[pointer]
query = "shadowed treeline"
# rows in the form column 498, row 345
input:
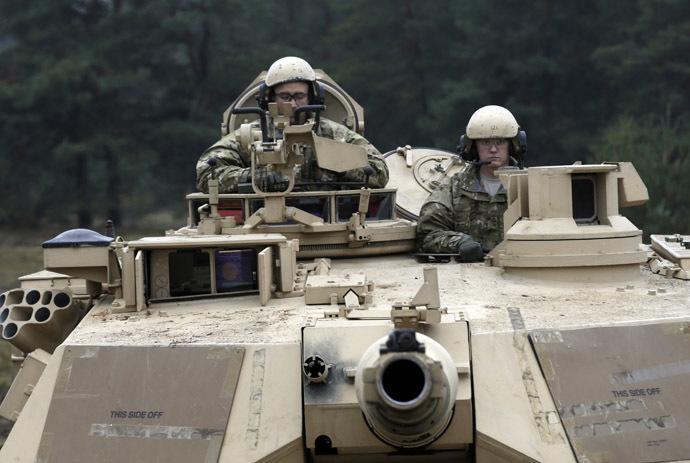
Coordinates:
column 107, row 104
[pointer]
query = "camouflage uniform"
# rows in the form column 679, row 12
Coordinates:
column 460, row 207
column 234, row 163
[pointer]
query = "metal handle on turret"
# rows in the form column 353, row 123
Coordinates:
column 310, row 107
column 262, row 119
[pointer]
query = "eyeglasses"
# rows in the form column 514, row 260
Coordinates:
column 499, row 142
column 298, row 97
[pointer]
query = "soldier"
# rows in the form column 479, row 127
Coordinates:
column 292, row 80
column 464, row 214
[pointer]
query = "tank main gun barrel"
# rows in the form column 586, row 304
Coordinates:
column 406, row 385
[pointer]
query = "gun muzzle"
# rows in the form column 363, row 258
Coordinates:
column 406, row 384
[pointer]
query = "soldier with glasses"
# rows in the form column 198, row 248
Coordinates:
column 464, row 215
column 290, row 80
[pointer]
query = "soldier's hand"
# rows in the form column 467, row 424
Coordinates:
column 269, row 180
column 469, row 250
column 277, row 183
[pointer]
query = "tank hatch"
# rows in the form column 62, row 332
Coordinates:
column 427, row 166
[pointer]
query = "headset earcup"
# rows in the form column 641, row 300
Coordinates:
column 518, row 148
column 523, row 142
column 461, row 146
column 466, row 152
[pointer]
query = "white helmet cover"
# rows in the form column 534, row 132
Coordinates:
column 492, row 122
column 289, row 69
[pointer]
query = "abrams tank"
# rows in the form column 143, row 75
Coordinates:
column 298, row 326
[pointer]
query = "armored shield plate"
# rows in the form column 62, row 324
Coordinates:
column 117, row 403
column 621, row 391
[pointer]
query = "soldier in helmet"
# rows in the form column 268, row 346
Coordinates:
column 289, row 80
column 464, row 215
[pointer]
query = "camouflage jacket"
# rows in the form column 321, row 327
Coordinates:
column 460, row 206
column 234, row 163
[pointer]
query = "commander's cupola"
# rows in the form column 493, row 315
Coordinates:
column 563, row 223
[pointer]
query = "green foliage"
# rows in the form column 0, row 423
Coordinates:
column 394, row 60
column 647, row 67
column 89, row 124
column 533, row 58
column 661, row 150
column 107, row 104
column 649, row 64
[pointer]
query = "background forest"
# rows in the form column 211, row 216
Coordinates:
column 107, row 104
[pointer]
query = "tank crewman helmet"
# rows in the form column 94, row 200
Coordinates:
column 289, row 69
column 493, row 122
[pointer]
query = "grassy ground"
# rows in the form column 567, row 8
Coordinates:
column 21, row 254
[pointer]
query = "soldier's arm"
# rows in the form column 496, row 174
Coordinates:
column 232, row 167
column 435, row 230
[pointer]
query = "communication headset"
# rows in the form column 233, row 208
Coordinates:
column 468, row 151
